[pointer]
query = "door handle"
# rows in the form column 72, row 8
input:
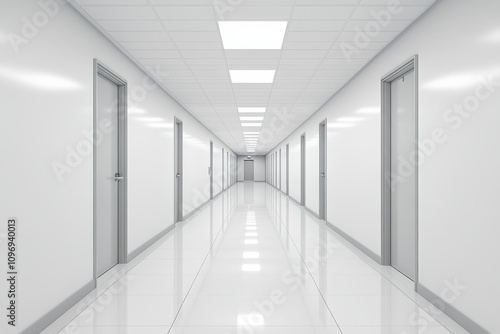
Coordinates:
column 177, row 175
column 322, row 174
column 118, row 177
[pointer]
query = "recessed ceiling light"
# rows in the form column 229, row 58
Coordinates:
column 248, row 35
column 251, row 118
column 252, row 76
column 251, row 255
column 250, row 267
column 252, row 109
column 251, row 124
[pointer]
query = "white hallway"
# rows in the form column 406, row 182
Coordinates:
column 253, row 261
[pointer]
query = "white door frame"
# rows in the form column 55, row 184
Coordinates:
column 409, row 65
column 102, row 70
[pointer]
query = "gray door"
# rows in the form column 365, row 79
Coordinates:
column 403, row 188
column 287, row 169
column 211, row 169
column 303, row 169
column 178, row 147
column 106, row 169
column 322, row 170
column 249, row 170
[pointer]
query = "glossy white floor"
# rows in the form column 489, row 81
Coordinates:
column 253, row 261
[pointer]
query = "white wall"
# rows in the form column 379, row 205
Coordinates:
column 259, row 173
column 47, row 97
column 459, row 48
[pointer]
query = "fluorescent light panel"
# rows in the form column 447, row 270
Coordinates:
column 251, row 124
column 252, row 109
column 252, row 35
column 252, row 76
column 251, row 118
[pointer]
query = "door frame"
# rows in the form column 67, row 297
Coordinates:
column 405, row 67
column 222, row 170
column 322, row 165
column 303, row 169
column 287, row 160
column 178, row 169
column 280, row 169
column 102, row 70
column 211, row 170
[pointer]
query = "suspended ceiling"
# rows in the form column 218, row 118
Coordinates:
column 179, row 43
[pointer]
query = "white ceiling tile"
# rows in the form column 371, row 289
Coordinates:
column 287, row 54
column 311, row 36
column 316, row 25
column 323, row 12
column 181, row 2
column 133, row 36
column 120, row 12
column 305, row 45
column 402, row 2
column 203, row 36
column 148, row 45
column 367, row 25
column 131, row 25
column 190, row 25
column 205, row 54
column 185, row 12
column 382, row 36
column 326, row 2
column 198, row 45
column 148, row 54
column 111, row 2
column 371, row 13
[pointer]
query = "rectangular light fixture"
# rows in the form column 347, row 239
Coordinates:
column 250, row 267
column 251, row 118
column 252, row 35
column 252, row 76
column 251, row 255
column 251, row 124
column 252, row 109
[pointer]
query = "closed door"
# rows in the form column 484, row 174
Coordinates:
column 322, row 170
column 210, row 170
column 249, row 170
column 178, row 193
column 403, row 189
column 107, row 177
column 303, row 170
